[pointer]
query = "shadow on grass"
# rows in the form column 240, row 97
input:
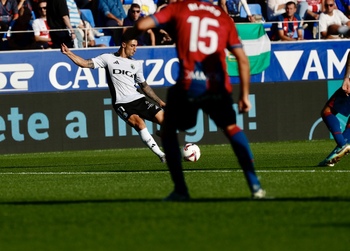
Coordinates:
column 113, row 170
column 194, row 200
column 64, row 165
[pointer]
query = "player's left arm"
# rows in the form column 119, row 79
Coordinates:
column 244, row 75
column 151, row 94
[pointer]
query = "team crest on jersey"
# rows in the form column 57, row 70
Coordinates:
column 132, row 66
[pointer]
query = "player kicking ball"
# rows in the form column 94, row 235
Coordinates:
column 338, row 103
column 123, row 73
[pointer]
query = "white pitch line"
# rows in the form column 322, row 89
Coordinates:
column 165, row 171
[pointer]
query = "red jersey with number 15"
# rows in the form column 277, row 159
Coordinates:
column 201, row 31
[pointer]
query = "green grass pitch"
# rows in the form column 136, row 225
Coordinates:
column 111, row 200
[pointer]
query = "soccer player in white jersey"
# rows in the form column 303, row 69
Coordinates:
column 123, row 73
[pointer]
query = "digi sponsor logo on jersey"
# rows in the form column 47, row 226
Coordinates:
column 123, row 72
column 14, row 77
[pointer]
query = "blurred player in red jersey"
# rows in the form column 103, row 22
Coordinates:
column 202, row 32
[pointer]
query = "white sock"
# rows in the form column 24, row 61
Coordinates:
column 147, row 138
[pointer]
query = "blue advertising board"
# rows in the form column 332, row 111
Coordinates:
column 51, row 71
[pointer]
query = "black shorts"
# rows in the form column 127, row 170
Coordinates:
column 181, row 112
column 142, row 107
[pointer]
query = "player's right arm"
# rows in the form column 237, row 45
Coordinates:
column 84, row 63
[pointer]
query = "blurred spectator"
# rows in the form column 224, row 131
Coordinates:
column 95, row 12
column 84, row 4
column 8, row 17
column 289, row 27
column 112, row 14
column 343, row 6
column 41, row 28
column 233, row 7
column 313, row 8
column 17, row 40
column 275, row 8
column 8, row 13
column 25, row 4
column 35, row 8
column 312, row 12
column 162, row 36
column 263, row 5
column 22, row 38
column 24, row 14
column 331, row 20
column 24, row 8
column 75, row 21
column 148, row 7
column 278, row 7
column 87, row 33
column 134, row 14
column 58, row 18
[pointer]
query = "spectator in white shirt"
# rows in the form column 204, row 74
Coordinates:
column 331, row 20
column 41, row 28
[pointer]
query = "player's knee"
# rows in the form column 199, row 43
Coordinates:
column 232, row 130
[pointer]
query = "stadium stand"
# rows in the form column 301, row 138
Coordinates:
column 255, row 9
column 88, row 16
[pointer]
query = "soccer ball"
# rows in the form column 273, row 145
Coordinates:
column 191, row 152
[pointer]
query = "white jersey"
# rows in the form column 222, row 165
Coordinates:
column 124, row 74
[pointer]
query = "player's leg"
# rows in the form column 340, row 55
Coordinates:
column 177, row 114
column 225, row 117
column 172, row 151
column 128, row 114
column 240, row 146
column 346, row 132
column 149, row 141
column 338, row 103
column 151, row 112
column 159, row 117
column 332, row 122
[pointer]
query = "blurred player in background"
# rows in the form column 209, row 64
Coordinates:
column 123, row 73
column 339, row 102
column 202, row 33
